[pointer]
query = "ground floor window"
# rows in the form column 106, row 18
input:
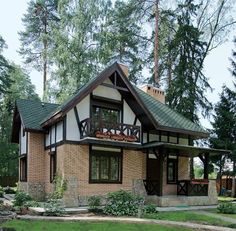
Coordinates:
column 23, row 168
column 105, row 165
column 172, row 169
column 53, row 165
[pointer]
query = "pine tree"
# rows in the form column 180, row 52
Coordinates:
column 188, row 86
column 20, row 87
column 5, row 67
column 36, row 39
column 122, row 39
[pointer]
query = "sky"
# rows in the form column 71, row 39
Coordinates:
column 216, row 66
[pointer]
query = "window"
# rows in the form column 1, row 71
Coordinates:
column 172, row 170
column 23, row 168
column 53, row 165
column 105, row 165
column 106, row 114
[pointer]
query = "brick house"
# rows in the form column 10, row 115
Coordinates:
column 111, row 135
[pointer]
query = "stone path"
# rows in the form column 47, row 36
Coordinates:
column 193, row 226
column 221, row 216
column 185, row 208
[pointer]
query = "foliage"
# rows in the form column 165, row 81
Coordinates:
column 150, row 208
column 227, row 208
column 9, row 190
column 122, row 203
column 186, row 93
column 1, row 191
column 60, row 186
column 21, row 198
column 94, row 203
column 31, row 203
column 20, row 87
column 54, row 207
column 36, row 39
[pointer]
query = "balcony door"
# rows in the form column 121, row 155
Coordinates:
column 108, row 115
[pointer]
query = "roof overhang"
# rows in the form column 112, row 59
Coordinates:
column 185, row 150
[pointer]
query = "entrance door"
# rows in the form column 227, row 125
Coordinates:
column 153, row 186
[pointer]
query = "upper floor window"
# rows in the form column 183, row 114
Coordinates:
column 106, row 114
column 106, row 110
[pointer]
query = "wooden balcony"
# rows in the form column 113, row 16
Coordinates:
column 192, row 187
column 111, row 131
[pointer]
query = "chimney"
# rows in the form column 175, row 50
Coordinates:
column 155, row 92
column 124, row 68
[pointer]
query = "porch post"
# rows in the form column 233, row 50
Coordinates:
column 206, row 165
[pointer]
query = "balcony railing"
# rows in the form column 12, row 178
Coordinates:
column 106, row 130
column 192, row 187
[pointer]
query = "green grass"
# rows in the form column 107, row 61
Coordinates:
column 21, row 225
column 187, row 216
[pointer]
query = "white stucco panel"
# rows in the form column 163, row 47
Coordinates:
column 83, row 108
column 53, row 137
column 47, row 138
column 129, row 115
column 23, row 141
column 72, row 130
column 59, row 133
column 107, row 92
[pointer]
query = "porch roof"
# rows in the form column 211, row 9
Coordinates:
column 186, row 150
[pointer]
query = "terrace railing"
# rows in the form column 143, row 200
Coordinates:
column 192, row 187
column 106, row 130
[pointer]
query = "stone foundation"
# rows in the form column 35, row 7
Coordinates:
column 174, row 200
column 35, row 190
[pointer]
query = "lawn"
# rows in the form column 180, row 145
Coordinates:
column 21, row 225
column 225, row 199
column 187, row 216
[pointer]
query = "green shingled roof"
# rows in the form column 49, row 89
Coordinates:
column 166, row 116
column 32, row 112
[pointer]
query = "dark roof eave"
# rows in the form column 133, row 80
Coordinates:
column 195, row 149
column 184, row 131
column 35, row 130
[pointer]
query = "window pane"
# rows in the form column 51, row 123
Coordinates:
column 95, row 168
column 104, row 168
column 114, row 168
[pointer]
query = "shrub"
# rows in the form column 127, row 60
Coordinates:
column 54, row 208
column 227, row 208
column 150, row 208
column 94, row 203
column 9, row 190
column 31, row 204
column 60, row 186
column 122, row 203
column 21, row 198
column 1, row 191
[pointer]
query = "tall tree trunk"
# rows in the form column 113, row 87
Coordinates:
column 156, row 75
column 45, row 58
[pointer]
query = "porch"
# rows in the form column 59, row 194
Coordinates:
column 168, row 181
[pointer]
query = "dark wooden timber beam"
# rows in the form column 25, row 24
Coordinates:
column 115, row 87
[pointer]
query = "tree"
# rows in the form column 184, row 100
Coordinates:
column 224, row 129
column 76, row 53
column 122, row 39
column 5, row 67
column 186, row 93
column 36, row 39
column 21, row 87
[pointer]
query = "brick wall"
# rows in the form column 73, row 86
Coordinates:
column 73, row 164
